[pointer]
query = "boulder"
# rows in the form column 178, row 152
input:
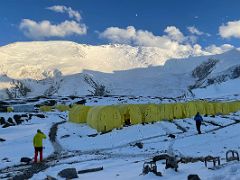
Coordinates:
column 172, row 136
column 68, row 173
column 17, row 118
column 26, row 160
column 2, row 121
column 50, row 178
column 10, row 121
column 82, row 102
column 139, row 145
column 2, row 140
column 193, row 177
column 6, row 125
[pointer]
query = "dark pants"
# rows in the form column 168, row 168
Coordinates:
column 40, row 150
column 198, row 125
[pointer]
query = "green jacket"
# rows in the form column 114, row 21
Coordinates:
column 37, row 140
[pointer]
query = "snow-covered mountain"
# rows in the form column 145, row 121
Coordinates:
column 67, row 68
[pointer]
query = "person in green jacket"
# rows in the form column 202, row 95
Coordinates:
column 37, row 143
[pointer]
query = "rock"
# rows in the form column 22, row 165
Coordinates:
column 37, row 115
column 17, row 118
column 193, row 177
column 65, row 136
column 73, row 97
column 26, row 160
column 139, row 145
column 10, row 121
column 2, row 121
column 50, row 178
column 50, row 103
column 68, row 173
column 40, row 115
column 172, row 136
column 2, row 140
column 83, row 102
column 21, row 177
column 6, row 125
column 3, row 108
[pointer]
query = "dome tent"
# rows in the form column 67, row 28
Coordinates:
column 104, row 118
column 150, row 112
column 178, row 111
column 131, row 113
column 190, row 109
column 78, row 114
column 62, row 107
column 209, row 107
column 46, row 108
column 218, row 108
column 200, row 106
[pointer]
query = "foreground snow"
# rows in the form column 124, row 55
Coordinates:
column 117, row 153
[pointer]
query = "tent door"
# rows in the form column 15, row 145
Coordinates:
column 127, row 120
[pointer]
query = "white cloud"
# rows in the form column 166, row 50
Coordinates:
column 213, row 49
column 63, row 9
column 173, row 43
column 44, row 29
column 231, row 29
column 174, row 34
column 195, row 31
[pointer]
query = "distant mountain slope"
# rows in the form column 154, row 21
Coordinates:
column 67, row 68
column 36, row 59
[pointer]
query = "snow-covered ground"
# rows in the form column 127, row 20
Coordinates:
column 84, row 148
column 19, row 138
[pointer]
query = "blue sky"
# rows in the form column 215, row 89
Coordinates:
column 135, row 22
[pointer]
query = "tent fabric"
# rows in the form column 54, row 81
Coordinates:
column 190, row 109
column 130, row 112
column 9, row 109
column 62, row 107
column 168, row 112
column 225, row 108
column 161, row 113
column 200, row 106
column 218, row 108
column 104, row 118
column 234, row 106
column 45, row 108
column 178, row 111
column 209, row 109
column 78, row 114
column 150, row 113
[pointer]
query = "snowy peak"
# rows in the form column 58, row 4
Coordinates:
column 67, row 68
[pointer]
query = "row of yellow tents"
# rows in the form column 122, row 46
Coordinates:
column 106, row 118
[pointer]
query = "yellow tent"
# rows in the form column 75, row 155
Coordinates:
column 161, row 113
column 62, row 107
column 225, row 108
column 200, row 106
column 167, row 110
column 150, row 113
column 234, row 106
column 210, row 108
column 178, row 111
column 218, row 108
column 46, row 108
column 78, row 114
column 104, row 118
column 190, row 109
column 9, row 109
column 131, row 113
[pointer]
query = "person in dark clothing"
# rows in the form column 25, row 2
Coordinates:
column 198, row 118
